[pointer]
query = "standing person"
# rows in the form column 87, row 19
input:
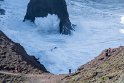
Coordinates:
column 106, row 52
column 109, row 52
column 106, row 55
column 69, row 71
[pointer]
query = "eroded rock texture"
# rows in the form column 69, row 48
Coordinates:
column 102, row 69
column 13, row 58
column 41, row 8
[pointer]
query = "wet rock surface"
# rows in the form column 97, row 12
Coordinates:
column 2, row 12
column 41, row 8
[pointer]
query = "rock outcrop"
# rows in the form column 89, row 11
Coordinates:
column 13, row 58
column 103, row 69
column 2, row 12
column 41, row 8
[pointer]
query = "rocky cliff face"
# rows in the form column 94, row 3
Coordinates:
column 13, row 58
column 41, row 8
column 103, row 69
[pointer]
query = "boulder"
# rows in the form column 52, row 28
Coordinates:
column 2, row 12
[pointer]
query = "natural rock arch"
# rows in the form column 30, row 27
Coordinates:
column 41, row 8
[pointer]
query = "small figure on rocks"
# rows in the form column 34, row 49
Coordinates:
column 69, row 71
column 108, row 52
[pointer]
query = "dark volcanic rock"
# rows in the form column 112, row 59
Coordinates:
column 13, row 58
column 41, row 8
column 2, row 12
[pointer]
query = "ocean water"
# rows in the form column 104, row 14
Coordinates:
column 100, row 25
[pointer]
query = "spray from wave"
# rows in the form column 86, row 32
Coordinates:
column 122, row 22
column 98, row 26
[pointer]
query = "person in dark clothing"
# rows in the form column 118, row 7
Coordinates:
column 69, row 71
column 108, row 52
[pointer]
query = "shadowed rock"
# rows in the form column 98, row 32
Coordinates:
column 13, row 58
column 41, row 8
column 2, row 12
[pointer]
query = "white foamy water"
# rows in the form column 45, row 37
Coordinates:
column 122, row 22
column 100, row 25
